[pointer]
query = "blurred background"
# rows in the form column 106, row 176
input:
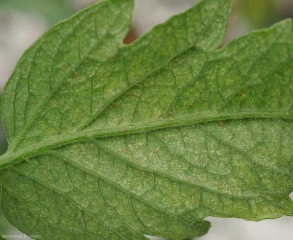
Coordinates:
column 23, row 21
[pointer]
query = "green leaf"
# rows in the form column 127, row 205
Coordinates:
column 108, row 141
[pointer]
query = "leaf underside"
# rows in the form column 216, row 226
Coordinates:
column 113, row 141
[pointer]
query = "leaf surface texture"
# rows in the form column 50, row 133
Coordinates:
column 113, row 141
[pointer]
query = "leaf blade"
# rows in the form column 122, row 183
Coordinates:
column 104, row 93
column 207, row 134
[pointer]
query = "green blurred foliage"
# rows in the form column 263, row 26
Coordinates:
column 3, row 146
column 262, row 13
column 259, row 13
column 52, row 10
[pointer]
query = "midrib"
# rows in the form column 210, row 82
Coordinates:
column 11, row 158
